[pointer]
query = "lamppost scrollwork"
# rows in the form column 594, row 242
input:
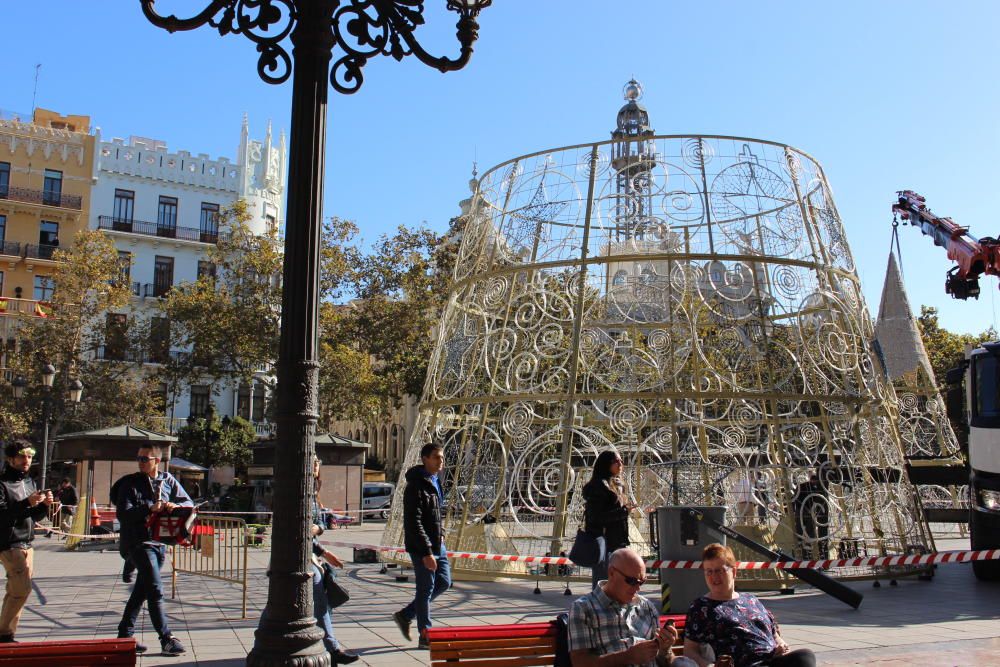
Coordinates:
column 361, row 29
column 296, row 39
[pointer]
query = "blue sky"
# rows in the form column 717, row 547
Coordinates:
column 886, row 95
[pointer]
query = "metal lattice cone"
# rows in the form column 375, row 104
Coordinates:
column 688, row 300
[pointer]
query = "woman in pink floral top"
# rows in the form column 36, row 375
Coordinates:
column 735, row 624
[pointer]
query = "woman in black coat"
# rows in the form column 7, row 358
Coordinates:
column 606, row 509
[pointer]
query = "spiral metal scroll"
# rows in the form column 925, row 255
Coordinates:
column 703, row 317
column 360, row 28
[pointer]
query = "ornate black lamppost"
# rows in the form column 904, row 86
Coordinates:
column 48, row 378
column 360, row 29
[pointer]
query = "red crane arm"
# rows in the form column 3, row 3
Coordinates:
column 974, row 257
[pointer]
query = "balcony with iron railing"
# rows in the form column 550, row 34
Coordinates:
column 39, row 251
column 161, row 230
column 263, row 429
column 31, row 307
column 151, row 355
column 156, row 290
column 42, row 197
column 10, row 248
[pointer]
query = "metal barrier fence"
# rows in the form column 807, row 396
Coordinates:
column 218, row 551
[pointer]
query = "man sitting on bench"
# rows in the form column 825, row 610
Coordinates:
column 613, row 625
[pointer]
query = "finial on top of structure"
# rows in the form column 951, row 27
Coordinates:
column 632, row 90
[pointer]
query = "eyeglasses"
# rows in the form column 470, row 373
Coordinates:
column 27, row 451
column 713, row 572
column 145, row 459
column 631, row 581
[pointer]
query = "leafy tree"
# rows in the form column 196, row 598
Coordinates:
column 87, row 284
column 228, row 319
column 375, row 350
column 12, row 423
column 210, row 442
column 944, row 348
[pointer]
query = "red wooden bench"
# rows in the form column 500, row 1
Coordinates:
column 69, row 653
column 514, row 645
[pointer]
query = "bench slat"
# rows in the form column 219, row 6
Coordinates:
column 502, row 662
column 493, row 652
column 110, row 652
column 486, row 631
column 492, row 643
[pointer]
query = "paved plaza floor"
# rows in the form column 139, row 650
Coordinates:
column 952, row 620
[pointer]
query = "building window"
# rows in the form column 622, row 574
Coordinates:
column 124, row 267
column 250, row 406
column 206, row 269
column 243, row 402
column 166, row 217
column 159, row 340
column 123, row 210
column 4, row 179
column 200, row 398
column 44, row 287
column 163, row 275
column 52, row 188
column 1, row 283
column 259, row 401
column 271, row 224
column 115, row 336
column 48, row 238
column 209, row 225
column 619, row 278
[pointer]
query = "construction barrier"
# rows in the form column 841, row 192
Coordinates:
column 939, row 558
column 218, row 551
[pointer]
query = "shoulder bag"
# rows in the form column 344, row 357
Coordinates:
column 336, row 594
column 588, row 549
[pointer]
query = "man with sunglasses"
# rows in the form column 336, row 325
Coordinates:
column 21, row 505
column 140, row 494
column 614, row 625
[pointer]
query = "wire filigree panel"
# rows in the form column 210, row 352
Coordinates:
column 698, row 310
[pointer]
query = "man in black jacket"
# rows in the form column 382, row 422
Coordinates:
column 423, row 499
column 138, row 496
column 21, row 505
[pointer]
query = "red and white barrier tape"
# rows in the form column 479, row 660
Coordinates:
column 873, row 561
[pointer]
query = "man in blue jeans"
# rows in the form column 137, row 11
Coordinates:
column 423, row 499
column 140, row 494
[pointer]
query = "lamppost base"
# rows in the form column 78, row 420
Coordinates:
column 295, row 644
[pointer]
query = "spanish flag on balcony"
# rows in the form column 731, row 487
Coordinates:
column 43, row 309
column 3, row 304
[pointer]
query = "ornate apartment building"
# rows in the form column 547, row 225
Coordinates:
column 46, row 174
column 162, row 209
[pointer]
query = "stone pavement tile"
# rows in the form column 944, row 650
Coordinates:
column 964, row 653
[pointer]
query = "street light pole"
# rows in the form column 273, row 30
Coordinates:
column 287, row 634
column 48, row 378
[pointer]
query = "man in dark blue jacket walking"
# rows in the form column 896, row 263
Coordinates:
column 141, row 494
column 423, row 501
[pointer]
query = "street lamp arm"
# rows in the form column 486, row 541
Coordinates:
column 173, row 24
column 361, row 29
column 266, row 23
column 365, row 28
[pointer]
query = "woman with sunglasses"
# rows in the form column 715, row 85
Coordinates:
column 735, row 624
column 606, row 509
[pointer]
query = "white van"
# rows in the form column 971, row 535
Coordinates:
column 377, row 496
